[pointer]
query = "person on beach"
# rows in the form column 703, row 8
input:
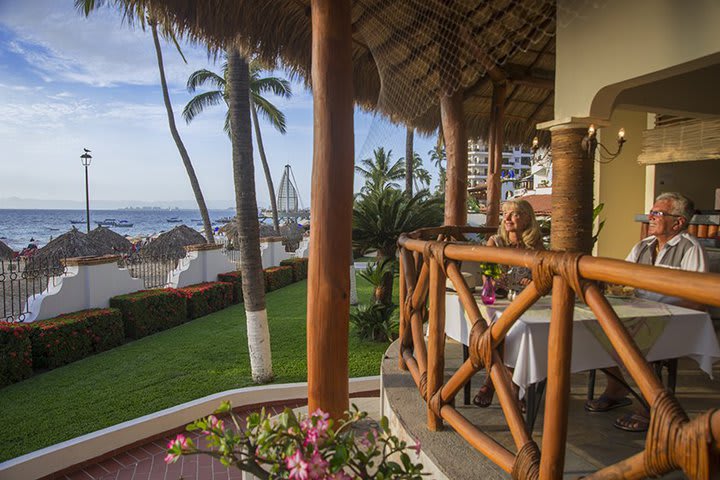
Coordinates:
column 668, row 245
column 518, row 229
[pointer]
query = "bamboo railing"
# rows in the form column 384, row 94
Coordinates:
column 429, row 256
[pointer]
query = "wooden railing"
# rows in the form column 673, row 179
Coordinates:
column 429, row 256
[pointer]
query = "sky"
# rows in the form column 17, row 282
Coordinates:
column 69, row 82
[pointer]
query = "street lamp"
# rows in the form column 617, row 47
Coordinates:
column 86, row 158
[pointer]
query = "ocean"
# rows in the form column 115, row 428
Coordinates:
column 20, row 227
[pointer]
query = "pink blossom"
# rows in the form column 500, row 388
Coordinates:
column 297, row 466
column 213, row 424
column 416, row 447
column 317, row 466
column 311, row 437
column 340, row 475
column 180, row 442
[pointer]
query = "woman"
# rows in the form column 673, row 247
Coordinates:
column 518, row 229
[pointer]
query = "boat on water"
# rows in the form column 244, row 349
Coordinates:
column 112, row 222
column 224, row 220
column 174, row 220
column 77, row 222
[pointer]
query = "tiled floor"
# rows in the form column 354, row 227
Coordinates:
column 146, row 460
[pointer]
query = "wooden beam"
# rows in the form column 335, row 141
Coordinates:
column 494, row 191
column 453, row 125
column 332, row 196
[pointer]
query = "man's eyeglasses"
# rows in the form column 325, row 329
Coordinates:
column 661, row 214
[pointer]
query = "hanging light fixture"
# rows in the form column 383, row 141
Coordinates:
column 590, row 144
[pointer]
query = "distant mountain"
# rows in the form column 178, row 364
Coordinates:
column 35, row 203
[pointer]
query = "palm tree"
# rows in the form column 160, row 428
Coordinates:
column 409, row 160
column 380, row 216
column 142, row 15
column 253, row 285
column 258, row 86
column 420, row 176
column 437, row 156
column 381, row 171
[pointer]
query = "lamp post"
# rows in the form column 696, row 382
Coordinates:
column 86, row 158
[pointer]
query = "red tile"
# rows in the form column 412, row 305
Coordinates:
column 127, row 474
column 154, row 448
column 138, row 454
column 95, row 471
column 79, row 475
column 125, row 459
column 144, row 467
column 173, row 471
column 111, row 465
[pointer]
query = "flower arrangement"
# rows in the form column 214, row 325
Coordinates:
column 300, row 448
column 491, row 270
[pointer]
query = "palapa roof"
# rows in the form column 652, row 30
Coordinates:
column 71, row 244
column 173, row 243
column 6, row 253
column 110, row 242
column 406, row 54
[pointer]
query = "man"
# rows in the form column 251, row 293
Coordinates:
column 669, row 246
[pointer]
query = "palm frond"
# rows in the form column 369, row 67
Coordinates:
column 200, row 77
column 270, row 112
column 200, row 102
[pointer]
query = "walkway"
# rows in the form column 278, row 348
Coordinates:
column 144, row 460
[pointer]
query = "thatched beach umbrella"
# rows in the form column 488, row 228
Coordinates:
column 173, row 243
column 6, row 253
column 70, row 244
column 110, row 242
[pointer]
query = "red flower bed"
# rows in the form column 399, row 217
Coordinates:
column 277, row 277
column 206, row 298
column 299, row 267
column 150, row 311
column 70, row 337
column 15, row 353
column 236, row 279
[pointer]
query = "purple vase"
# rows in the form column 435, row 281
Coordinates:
column 487, row 294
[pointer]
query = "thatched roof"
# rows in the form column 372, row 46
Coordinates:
column 110, row 242
column 405, row 54
column 70, row 244
column 6, row 253
column 173, row 243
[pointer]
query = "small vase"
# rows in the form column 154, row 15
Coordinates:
column 487, row 294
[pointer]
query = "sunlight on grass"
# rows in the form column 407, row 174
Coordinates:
column 199, row 358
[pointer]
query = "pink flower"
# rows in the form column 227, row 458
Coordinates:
column 341, row 475
column 311, row 437
column 297, row 466
column 317, row 466
column 177, row 446
column 213, row 424
column 416, row 447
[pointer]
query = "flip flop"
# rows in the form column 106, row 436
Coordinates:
column 632, row 422
column 605, row 403
column 484, row 397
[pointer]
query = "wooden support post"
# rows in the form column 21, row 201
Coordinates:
column 572, row 192
column 332, row 189
column 558, row 381
column 436, row 340
column 495, row 149
column 404, row 321
column 453, row 125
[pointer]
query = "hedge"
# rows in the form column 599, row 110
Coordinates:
column 150, row 311
column 277, row 277
column 15, row 353
column 70, row 337
column 299, row 267
column 236, row 279
column 205, row 298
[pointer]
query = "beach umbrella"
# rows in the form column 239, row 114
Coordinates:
column 70, row 244
column 6, row 253
column 173, row 243
column 110, row 242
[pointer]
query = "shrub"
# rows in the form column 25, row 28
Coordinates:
column 373, row 321
column 205, row 298
column 15, row 353
column 277, row 277
column 150, row 311
column 236, row 279
column 299, row 267
column 70, row 337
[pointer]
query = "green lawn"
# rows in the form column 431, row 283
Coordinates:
column 201, row 357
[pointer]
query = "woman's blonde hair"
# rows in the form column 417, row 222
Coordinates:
column 531, row 236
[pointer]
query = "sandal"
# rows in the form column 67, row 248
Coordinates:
column 484, row 397
column 605, row 403
column 632, row 422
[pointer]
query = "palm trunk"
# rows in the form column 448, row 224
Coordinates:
column 266, row 168
column 409, row 157
column 383, row 294
column 253, row 282
column 178, row 141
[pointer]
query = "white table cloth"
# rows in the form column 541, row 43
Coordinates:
column 670, row 332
